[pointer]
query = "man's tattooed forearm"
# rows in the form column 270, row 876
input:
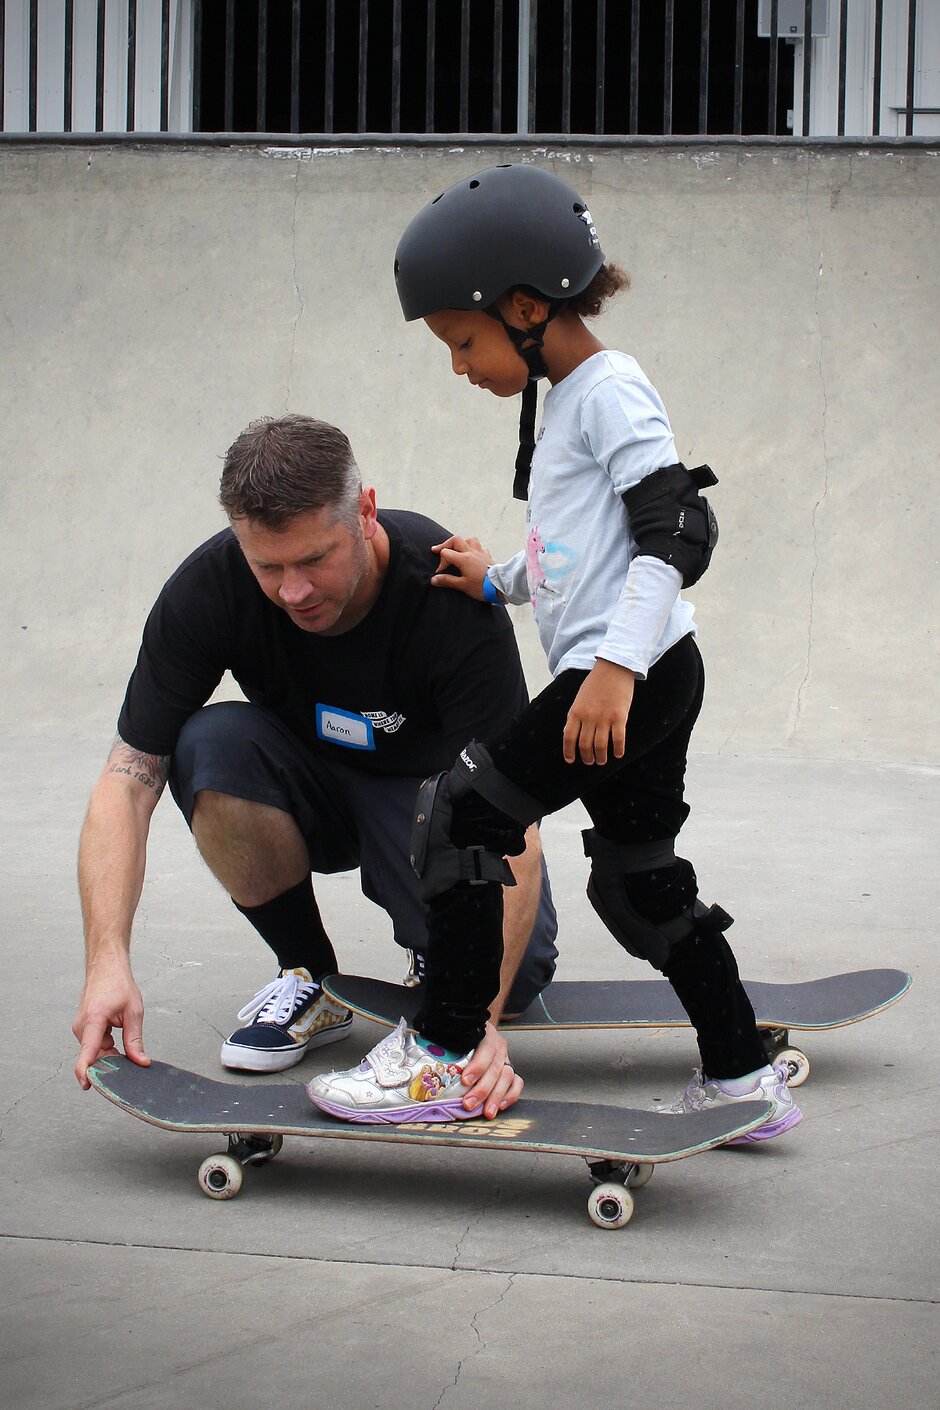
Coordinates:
column 152, row 770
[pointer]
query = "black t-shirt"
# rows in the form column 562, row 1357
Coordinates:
column 426, row 670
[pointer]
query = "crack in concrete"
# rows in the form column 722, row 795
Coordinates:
column 481, row 1344
column 726, row 741
column 301, row 306
column 459, row 1245
column 72, row 1241
column 164, row 954
column 804, row 684
column 472, row 1225
column 210, row 1025
column 29, row 1093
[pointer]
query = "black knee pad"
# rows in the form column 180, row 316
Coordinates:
column 437, row 862
column 437, row 859
column 646, row 919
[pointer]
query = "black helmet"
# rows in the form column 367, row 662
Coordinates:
column 506, row 226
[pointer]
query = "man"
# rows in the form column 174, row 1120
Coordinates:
column 359, row 680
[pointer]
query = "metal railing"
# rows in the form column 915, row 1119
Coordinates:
column 606, row 68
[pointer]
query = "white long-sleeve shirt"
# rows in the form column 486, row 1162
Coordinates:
column 603, row 429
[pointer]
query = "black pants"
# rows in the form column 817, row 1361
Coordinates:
column 636, row 799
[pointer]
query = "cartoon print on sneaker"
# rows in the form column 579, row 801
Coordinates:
column 429, row 1082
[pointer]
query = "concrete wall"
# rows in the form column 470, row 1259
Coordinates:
column 785, row 302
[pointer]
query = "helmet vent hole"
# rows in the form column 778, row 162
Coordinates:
column 436, row 199
column 474, row 185
column 578, row 208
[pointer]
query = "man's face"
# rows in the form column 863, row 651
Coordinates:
column 322, row 573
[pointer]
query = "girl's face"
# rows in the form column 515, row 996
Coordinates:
column 480, row 349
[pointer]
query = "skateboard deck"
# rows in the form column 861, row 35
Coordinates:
column 620, row 1145
column 814, row 1004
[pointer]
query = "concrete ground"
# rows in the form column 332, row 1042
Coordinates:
column 355, row 1276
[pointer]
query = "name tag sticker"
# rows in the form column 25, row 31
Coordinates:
column 342, row 727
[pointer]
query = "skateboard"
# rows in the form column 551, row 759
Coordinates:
column 620, row 1146
column 814, row 1004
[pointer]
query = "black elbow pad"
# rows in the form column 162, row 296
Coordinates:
column 670, row 519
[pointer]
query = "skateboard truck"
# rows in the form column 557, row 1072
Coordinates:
column 778, row 1050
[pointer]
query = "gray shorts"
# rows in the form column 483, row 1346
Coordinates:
column 349, row 819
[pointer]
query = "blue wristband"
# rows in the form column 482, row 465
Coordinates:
column 490, row 593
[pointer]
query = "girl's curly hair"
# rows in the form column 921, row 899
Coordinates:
column 609, row 280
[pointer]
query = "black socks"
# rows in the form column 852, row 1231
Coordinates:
column 291, row 926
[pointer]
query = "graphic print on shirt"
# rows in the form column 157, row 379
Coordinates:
column 545, row 561
column 534, row 572
column 381, row 719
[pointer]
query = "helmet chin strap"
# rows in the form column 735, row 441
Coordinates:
column 523, row 467
column 528, row 343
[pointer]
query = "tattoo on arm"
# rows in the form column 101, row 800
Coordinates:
column 152, row 770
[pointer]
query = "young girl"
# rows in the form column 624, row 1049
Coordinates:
column 504, row 267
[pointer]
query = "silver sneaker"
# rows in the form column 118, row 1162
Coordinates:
column 283, row 1020
column 704, row 1095
column 398, row 1081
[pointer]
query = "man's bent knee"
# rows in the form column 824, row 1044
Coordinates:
column 222, row 729
column 224, row 748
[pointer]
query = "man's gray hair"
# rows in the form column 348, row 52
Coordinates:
column 283, row 466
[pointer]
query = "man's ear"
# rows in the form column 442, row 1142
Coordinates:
column 368, row 513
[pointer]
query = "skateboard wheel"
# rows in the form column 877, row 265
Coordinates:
column 638, row 1176
column 610, row 1206
column 220, row 1177
column 796, row 1063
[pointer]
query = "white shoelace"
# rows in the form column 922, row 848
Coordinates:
column 276, row 1002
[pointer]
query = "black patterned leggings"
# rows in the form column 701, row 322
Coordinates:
column 639, row 798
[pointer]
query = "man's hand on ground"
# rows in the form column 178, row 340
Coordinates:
column 110, row 1000
column 491, row 1077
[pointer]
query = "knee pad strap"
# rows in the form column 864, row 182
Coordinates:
column 625, row 858
column 476, row 769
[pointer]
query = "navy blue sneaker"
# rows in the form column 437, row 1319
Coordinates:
column 283, row 1020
